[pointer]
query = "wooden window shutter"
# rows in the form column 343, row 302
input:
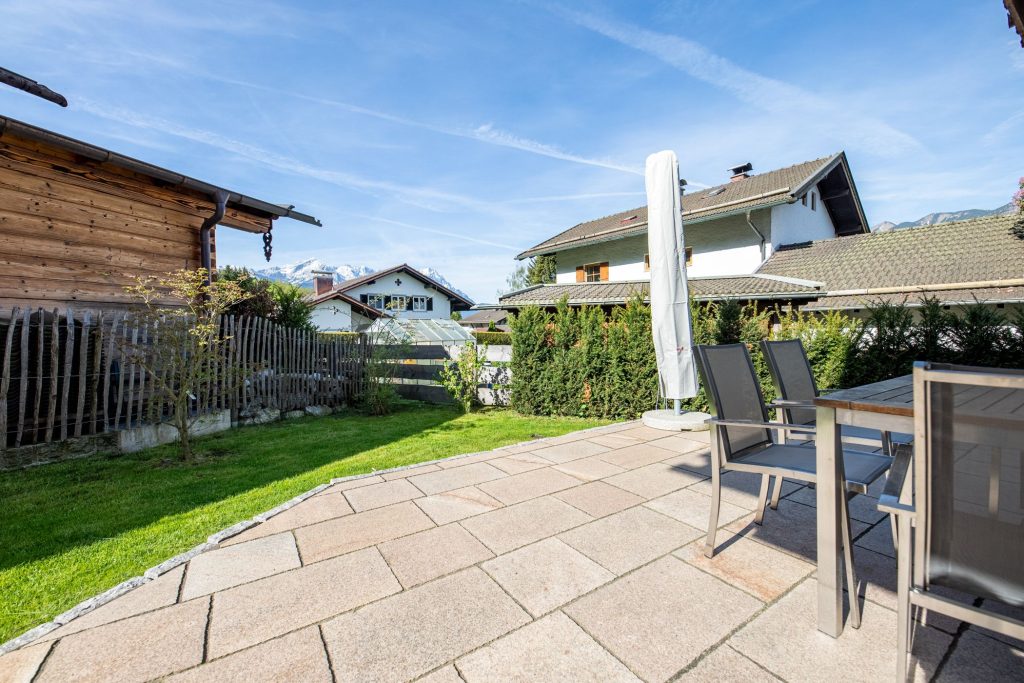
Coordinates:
column 387, row 301
column 430, row 303
column 604, row 272
column 581, row 275
column 364, row 298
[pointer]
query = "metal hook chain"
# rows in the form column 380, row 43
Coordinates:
column 268, row 248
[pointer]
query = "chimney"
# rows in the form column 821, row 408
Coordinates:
column 741, row 172
column 322, row 282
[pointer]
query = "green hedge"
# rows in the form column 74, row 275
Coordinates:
column 493, row 338
column 581, row 362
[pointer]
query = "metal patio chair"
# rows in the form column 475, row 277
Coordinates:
column 964, row 499
column 796, row 389
column 742, row 440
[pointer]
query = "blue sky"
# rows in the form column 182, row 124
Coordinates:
column 456, row 134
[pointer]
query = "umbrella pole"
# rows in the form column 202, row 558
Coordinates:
column 677, row 406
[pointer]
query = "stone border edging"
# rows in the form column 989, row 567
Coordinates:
column 214, row 540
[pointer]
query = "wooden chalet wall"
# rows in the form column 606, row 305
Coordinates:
column 75, row 231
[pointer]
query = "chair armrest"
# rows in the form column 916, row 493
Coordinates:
column 889, row 501
column 783, row 403
column 751, row 424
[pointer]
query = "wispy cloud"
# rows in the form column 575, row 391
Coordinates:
column 422, row 197
column 486, row 133
column 758, row 91
column 435, row 231
column 571, row 197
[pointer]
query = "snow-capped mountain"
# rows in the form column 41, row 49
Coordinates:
column 301, row 273
column 944, row 217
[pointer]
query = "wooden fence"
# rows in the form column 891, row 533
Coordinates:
column 63, row 373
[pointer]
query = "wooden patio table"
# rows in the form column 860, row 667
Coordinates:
column 887, row 405
column 990, row 415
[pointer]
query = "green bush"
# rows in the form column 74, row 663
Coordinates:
column 493, row 338
column 582, row 362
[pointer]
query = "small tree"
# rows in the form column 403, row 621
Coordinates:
column 186, row 354
column 293, row 309
column 461, row 377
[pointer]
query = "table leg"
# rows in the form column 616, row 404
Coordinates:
column 829, row 489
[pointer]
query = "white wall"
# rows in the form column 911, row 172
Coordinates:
column 723, row 247
column 333, row 316
column 410, row 287
column 793, row 223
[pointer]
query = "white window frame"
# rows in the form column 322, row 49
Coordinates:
column 395, row 298
column 419, row 304
column 375, row 301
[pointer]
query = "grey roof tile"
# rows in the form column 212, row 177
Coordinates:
column 760, row 190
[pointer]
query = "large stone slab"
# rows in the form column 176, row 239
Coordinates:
column 520, row 487
column 298, row 656
column 20, row 666
column 315, row 509
column 139, row 648
column 409, row 634
column 758, row 569
column 639, row 455
column 345, row 534
column 977, row 657
column 553, row 649
column 160, row 592
column 513, row 527
column 237, row 564
column 785, row 640
column 630, row 538
column 432, row 553
column 451, row 506
column 598, row 499
column 573, row 450
column 379, row 495
column 725, row 664
column 793, row 528
column 694, row 509
column 546, row 575
column 589, row 469
column 517, row 463
column 654, row 480
column 456, row 478
column 267, row 608
column 661, row 617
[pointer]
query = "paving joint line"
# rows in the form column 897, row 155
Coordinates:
column 961, row 630
column 44, row 661
column 327, row 652
column 206, row 630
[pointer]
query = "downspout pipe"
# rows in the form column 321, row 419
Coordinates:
column 220, row 198
column 756, row 232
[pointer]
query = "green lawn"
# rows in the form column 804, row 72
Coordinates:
column 73, row 529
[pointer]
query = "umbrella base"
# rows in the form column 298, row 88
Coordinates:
column 687, row 421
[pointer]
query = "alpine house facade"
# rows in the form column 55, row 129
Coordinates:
column 730, row 231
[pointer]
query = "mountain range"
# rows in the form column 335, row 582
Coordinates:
column 944, row 217
column 301, row 273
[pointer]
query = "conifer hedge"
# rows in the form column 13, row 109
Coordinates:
column 582, row 362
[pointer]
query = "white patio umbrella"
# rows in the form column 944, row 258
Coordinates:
column 670, row 300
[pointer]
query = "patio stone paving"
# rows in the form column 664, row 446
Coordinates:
column 241, row 563
column 576, row 558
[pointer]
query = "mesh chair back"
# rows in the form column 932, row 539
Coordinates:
column 968, row 486
column 734, row 394
column 793, row 377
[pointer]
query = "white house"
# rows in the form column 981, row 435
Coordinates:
column 731, row 231
column 400, row 291
column 793, row 236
